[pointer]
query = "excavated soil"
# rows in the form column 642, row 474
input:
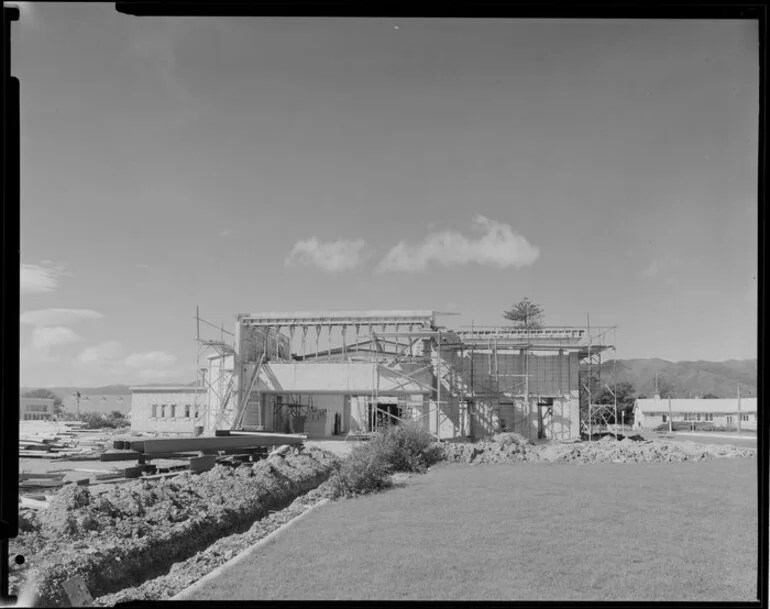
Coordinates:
column 513, row 448
column 138, row 530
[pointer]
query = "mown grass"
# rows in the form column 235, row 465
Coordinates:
column 642, row 531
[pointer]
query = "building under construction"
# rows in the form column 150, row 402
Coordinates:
column 337, row 373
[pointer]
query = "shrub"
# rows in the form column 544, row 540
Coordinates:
column 364, row 471
column 398, row 448
column 406, row 448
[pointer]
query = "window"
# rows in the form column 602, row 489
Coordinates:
column 745, row 417
column 186, row 411
column 729, row 419
column 154, row 411
column 162, row 411
column 173, row 411
column 665, row 419
column 196, row 412
column 697, row 417
column 708, row 416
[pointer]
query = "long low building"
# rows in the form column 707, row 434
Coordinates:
column 36, row 409
column 650, row 413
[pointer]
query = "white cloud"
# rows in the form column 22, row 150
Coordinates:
column 106, row 363
column 104, row 351
column 41, row 279
column 58, row 317
column 48, row 337
column 150, row 359
column 499, row 247
column 332, row 256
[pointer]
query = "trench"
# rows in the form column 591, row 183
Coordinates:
column 127, row 567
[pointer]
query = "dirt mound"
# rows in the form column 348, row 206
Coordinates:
column 606, row 450
column 510, row 438
column 136, row 530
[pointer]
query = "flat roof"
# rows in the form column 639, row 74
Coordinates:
column 347, row 317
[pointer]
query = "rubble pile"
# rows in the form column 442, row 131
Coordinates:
column 607, row 450
column 135, row 531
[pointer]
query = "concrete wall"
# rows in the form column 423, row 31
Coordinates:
column 345, row 378
column 174, row 418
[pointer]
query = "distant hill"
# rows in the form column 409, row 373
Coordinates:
column 688, row 379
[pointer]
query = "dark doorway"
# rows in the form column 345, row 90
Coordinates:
column 386, row 415
column 545, row 418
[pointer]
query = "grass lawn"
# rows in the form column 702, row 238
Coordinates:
column 642, row 531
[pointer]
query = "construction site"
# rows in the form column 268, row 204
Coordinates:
column 289, row 411
column 327, row 374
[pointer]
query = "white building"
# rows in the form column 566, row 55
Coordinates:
column 650, row 413
column 166, row 409
column 36, row 409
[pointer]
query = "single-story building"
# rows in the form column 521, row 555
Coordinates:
column 650, row 413
column 173, row 409
column 36, row 409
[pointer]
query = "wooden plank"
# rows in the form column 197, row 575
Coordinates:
column 40, row 483
column 254, row 440
column 126, row 456
column 37, row 454
column 48, row 476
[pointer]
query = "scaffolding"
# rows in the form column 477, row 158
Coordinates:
column 212, row 383
column 469, row 382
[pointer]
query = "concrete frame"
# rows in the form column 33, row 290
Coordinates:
column 409, row 358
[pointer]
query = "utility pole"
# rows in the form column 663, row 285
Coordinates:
column 77, row 404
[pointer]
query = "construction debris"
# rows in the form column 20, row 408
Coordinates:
column 137, row 530
column 503, row 449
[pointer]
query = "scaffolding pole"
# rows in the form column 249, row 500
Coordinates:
column 438, row 389
column 590, row 423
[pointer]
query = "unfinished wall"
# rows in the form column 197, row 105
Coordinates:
column 338, row 378
column 173, row 412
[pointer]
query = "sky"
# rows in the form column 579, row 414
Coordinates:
column 603, row 168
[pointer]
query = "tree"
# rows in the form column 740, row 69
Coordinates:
column 526, row 314
column 710, row 396
column 666, row 387
column 626, row 399
column 48, row 395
